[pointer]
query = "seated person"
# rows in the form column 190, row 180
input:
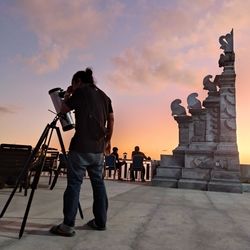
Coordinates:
column 138, row 152
column 117, row 162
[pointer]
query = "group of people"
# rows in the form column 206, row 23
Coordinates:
column 119, row 163
column 94, row 121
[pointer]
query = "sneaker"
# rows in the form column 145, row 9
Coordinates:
column 57, row 230
column 93, row 225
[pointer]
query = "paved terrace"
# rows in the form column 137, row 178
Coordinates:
column 140, row 217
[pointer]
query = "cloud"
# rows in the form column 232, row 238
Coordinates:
column 148, row 67
column 6, row 110
column 176, row 42
column 63, row 26
column 179, row 44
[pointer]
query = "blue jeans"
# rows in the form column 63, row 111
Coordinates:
column 78, row 164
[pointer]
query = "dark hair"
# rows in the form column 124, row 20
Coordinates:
column 85, row 76
column 115, row 149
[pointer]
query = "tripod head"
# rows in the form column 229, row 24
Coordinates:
column 56, row 118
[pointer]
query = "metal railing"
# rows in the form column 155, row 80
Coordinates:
column 150, row 170
column 150, row 167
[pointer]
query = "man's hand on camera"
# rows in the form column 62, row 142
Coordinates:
column 107, row 147
column 70, row 89
column 68, row 93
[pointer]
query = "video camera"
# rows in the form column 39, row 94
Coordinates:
column 57, row 96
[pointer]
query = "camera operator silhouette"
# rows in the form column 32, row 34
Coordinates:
column 93, row 131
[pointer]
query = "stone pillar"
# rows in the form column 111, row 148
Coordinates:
column 184, row 122
column 199, row 125
column 197, row 151
column 207, row 156
column 212, row 104
column 227, row 110
column 196, row 172
column 170, row 169
column 184, row 130
column 226, row 173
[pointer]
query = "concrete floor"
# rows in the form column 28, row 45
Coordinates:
column 141, row 217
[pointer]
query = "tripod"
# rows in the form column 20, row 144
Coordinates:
column 43, row 145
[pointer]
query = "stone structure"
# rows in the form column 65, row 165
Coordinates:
column 207, row 156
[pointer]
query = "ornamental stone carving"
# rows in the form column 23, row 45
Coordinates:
column 193, row 102
column 177, row 109
column 207, row 156
column 228, row 58
column 209, row 85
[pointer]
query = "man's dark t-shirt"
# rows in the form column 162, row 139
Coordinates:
column 92, row 107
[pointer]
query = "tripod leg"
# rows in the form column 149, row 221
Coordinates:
column 26, row 213
column 80, row 210
column 57, row 172
column 50, row 176
column 26, row 167
column 34, row 186
column 50, row 170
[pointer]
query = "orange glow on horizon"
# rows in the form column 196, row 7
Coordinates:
column 162, row 54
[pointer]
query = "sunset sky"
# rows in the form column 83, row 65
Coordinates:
column 144, row 54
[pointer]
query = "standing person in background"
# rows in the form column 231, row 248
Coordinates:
column 93, row 130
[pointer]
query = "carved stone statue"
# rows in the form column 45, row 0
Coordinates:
column 209, row 85
column 193, row 102
column 177, row 109
column 207, row 156
column 227, row 42
column 228, row 58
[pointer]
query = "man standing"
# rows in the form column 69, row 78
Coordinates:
column 93, row 130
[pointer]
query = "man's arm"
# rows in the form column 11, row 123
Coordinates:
column 64, row 108
column 145, row 157
column 110, row 125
